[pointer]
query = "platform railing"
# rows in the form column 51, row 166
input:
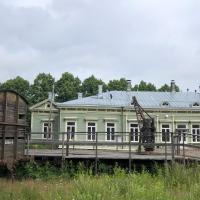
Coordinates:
column 118, row 145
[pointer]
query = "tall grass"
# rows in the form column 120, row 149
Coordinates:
column 171, row 183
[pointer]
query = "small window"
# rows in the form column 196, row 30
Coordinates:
column 134, row 131
column 182, row 132
column 165, row 129
column 110, row 131
column 196, row 133
column 48, row 105
column 195, row 104
column 47, row 130
column 9, row 141
column 91, row 128
column 70, row 130
column 22, row 116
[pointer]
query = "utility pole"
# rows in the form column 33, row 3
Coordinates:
column 50, row 112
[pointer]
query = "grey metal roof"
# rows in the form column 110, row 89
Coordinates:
column 146, row 99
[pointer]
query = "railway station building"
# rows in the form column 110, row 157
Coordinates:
column 112, row 114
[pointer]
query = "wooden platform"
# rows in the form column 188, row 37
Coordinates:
column 102, row 154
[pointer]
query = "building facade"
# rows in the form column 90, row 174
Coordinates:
column 112, row 116
column 13, row 112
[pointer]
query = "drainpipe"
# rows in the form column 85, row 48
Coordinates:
column 173, row 125
column 122, row 124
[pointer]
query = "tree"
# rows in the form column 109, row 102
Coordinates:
column 90, row 86
column 143, row 86
column 164, row 88
column 67, row 87
column 167, row 88
column 118, row 84
column 42, row 85
column 18, row 84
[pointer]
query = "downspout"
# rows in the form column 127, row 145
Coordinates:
column 122, row 124
column 173, row 124
column 59, row 122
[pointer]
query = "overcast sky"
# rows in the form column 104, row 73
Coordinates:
column 151, row 40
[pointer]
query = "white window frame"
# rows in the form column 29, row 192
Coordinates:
column 134, row 128
column 66, row 131
column 47, row 126
column 186, row 128
column 168, row 141
column 106, row 138
column 197, row 132
column 87, row 131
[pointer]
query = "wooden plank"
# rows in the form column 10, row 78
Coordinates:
column 5, row 116
column 16, row 129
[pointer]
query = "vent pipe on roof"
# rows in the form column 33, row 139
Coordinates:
column 129, row 86
column 80, row 95
column 100, row 91
column 173, row 86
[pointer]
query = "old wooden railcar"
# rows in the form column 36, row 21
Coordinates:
column 13, row 112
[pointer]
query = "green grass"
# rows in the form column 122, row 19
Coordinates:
column 172, row 183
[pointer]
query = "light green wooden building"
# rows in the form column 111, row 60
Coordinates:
column 112, row 114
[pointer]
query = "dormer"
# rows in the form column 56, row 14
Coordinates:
column 165, row 104
column 196, row 104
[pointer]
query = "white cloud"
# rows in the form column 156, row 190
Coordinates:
column 149, row 40
column 28, row 3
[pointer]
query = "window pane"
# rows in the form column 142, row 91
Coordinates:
column 71, row 123
column 181, row 126
column 108, row 136
column 195, row 126
column 110, row 124
column 91, row 124
column 165, row 125
column 133, row 125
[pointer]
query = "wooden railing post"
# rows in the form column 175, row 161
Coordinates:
column 15, row 140
column 67, row 144
column 165, row 148
column 63, row 142
column 117, row 142
column 96, row 154
column 28, row 143
column 172, row 144
column 184, row 137
column 129, row 166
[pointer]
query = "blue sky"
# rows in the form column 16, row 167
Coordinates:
column 149, row 40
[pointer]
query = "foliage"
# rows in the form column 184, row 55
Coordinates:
column 118, row 85
column 173, row 182
column 167, row 88
column 43, row 84
column 67, row 87
column 90, row 86
column 48, row 171
column 18, row 84
column 143, row 86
